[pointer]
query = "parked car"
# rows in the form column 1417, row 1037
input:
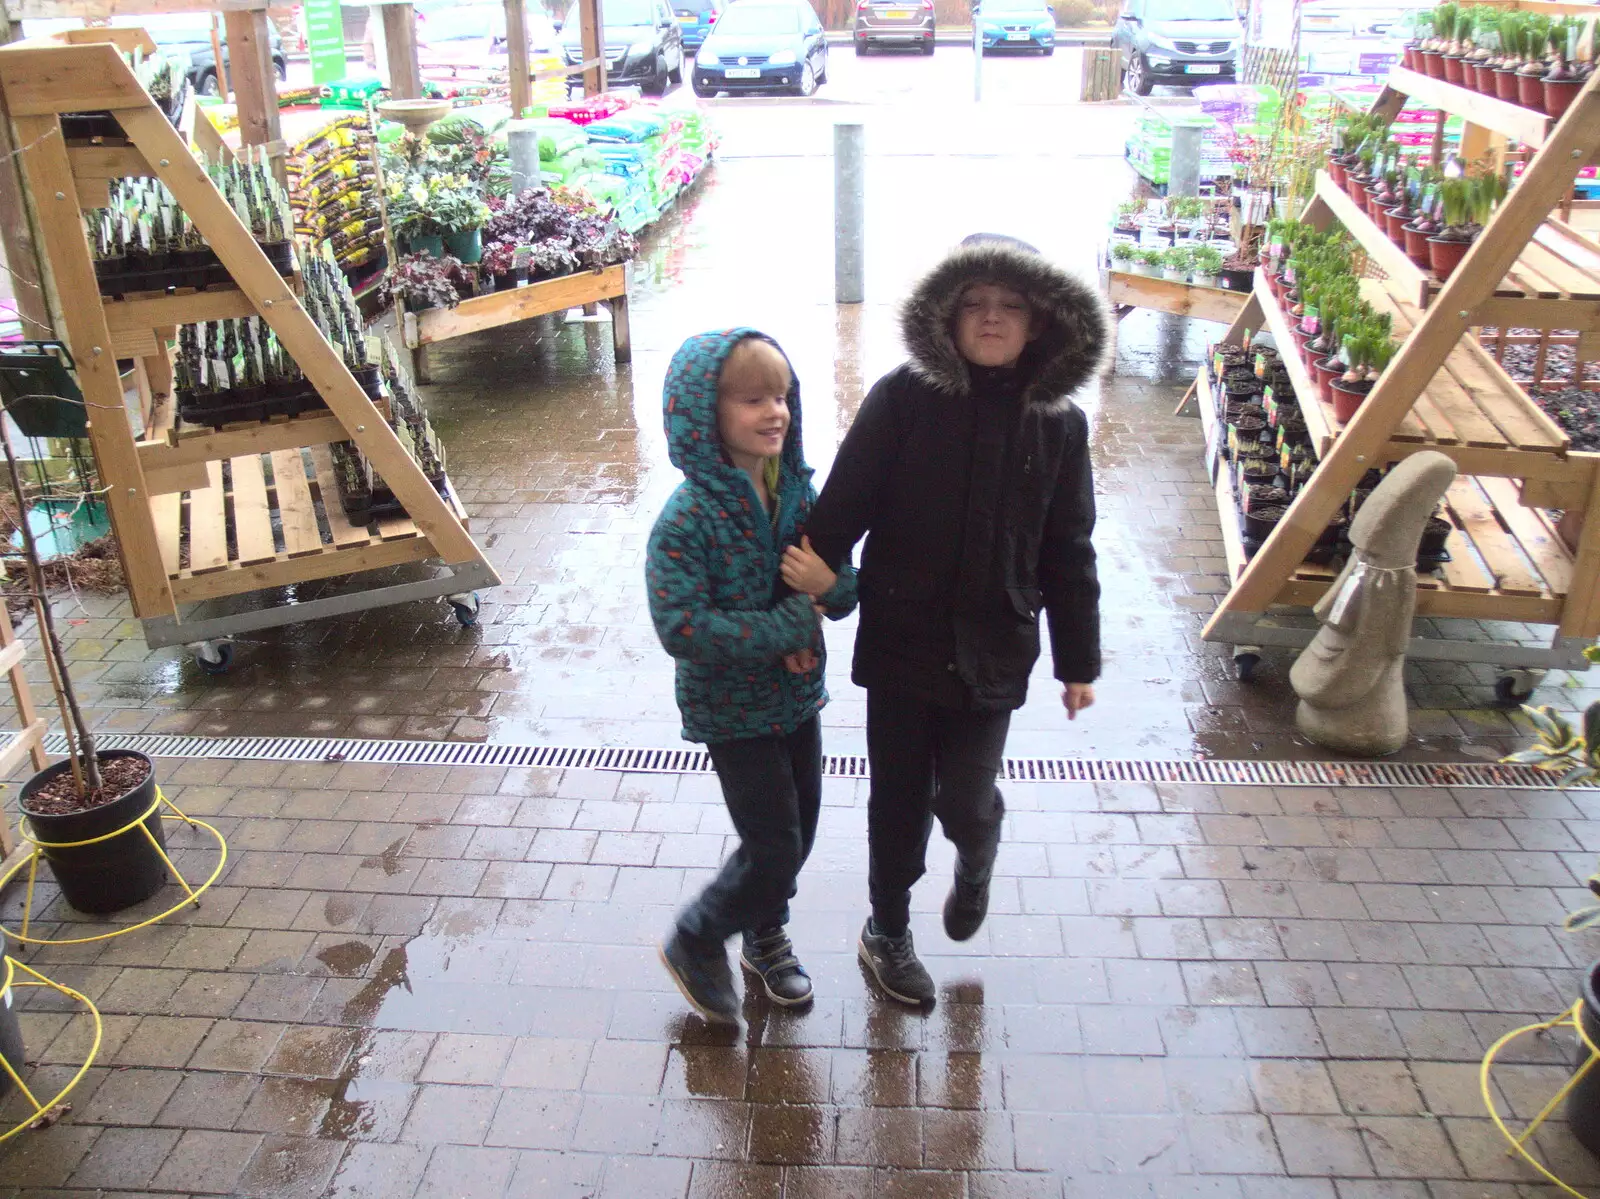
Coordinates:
column 1177, row 42
column 1017, row 25
column 468, row 41
column 695, row 19
column 643, row 44
column 184, row 36
column 886, row 23
column 763, row 45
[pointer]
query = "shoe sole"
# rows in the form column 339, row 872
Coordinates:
column 780, row 1000
column 709, row 1015
column 865, row 955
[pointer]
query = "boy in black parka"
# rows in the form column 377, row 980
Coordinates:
column 967, row 469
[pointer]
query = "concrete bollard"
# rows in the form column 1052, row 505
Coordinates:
column 523, row 139
column 849, row 214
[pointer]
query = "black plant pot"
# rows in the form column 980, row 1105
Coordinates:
column 1583, row 1101
column 10, row 1033
column 1258, row 526
column 112, row 874
column 1236, row 279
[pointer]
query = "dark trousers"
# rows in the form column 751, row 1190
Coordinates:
column 773, row 789
column 929, row 761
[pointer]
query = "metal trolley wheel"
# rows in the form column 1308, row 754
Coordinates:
column 466, row 606
column 213, row 657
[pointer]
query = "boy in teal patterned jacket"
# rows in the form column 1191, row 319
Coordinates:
column 736, row 594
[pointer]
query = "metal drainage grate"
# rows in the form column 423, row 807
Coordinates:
column 851, row 766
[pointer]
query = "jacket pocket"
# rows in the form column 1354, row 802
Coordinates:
column 1026, row 601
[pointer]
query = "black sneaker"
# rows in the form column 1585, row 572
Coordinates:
column 893, row 962
column 965, row 907
column 702, row 974
column 769, row 955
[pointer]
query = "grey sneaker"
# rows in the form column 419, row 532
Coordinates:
column 702, row 974
column 769, row 955
column 893, row 962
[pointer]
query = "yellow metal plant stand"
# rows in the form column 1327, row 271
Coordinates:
column 1571, row 1018
column 39, row 980
column 31, row 861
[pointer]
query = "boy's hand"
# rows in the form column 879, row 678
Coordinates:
column 805, row 572
column 1075, row 697
column 802, row 661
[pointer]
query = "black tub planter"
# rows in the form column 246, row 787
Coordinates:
column 1236, row 278
column 1583, row 1101
column 112, row 874
column 10, row 1031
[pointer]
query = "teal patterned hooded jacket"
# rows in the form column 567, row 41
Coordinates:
column 719, row 605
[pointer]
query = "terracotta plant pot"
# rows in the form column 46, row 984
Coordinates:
column 1445, row 255
column 1558, row 94
column 1413, row 58
column 1337, row 172
column 1505, row 84
column 1455, row 69
column 1356, row 188
column 1301, row 337
column 1432, row 63
column 1370, row 204
column 1327, row 370
column 1530, row 92
column 1417, row 247
column 1483, row 74
column 1346, row 400
column 1394, row 224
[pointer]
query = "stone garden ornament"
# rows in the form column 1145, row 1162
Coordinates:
column 1350, row 678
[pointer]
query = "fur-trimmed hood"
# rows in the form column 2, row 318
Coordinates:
column 1068, row 349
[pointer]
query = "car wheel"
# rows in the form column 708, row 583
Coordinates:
column 656, row 85
column 863, row 49
column 705, row 93
column 675, row 76
column 1137, row 80
column 1049, row 50
column 282, row 68
column 808, row 80
column 208, row 83
column 822, row 75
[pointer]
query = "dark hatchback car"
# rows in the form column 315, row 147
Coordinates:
column 763, row 45
column 885, row 23
column 643, row 44
column 696, row 19
column 1182, row 42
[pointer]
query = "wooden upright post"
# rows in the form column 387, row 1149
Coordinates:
column 517, row 56
column 16, row 233
column 400, row 36
column 592, row 19
column 255, row 85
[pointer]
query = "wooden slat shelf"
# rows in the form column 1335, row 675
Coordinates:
column 1487, row 112
column 1557, row 266
column 273, row 519
column 1504, row 557
column 1133, row 290
column 1476, row 415
column 190, row 444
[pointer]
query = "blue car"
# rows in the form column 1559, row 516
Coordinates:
column 1017, row 25
column 763, row 46
column 696, row 18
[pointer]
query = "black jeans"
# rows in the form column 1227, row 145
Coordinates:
column 773, row 789
column 929, row 761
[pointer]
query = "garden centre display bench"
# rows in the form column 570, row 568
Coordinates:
column 1128, row 290
column 203, row 514
column 504, row 307
column 1509, row 558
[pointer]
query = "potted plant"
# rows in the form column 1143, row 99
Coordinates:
column 1367, row 351
column 106, row 797
column 1443, row 36
column 1455, row 52
column 1480, row 62
column 1468, row 202
column 1512, row 30
column 1127, row 217
column 1207, row 262
column 1176, row 263
column 1122, row 253
column 1147, row 260
column 1571, row 64
column 423, row 282
column 1421, row 30
column 460, row 215
column 1530, row 75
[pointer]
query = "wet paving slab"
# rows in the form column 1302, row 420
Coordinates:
column 558, row 455
column 426, row 982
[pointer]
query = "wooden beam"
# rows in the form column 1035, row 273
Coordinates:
column 517, row 56
column 591, row 19
column 94, row 10
column 255, row 85
column 400, row 37
column 17, row 235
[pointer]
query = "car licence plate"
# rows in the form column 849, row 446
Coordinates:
column 1204, row 68
column 685, row 18
column 743, row 72
column 1018, row 37
column 895, row 14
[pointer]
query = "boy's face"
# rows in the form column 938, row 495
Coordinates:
column 994, row 324
column 753, row 403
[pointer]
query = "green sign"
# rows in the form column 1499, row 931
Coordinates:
column 325, row 40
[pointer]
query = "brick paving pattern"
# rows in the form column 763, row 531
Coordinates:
column 441, row 982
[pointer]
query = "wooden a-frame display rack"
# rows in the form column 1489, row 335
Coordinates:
column 184, row 537
column 1443, row 391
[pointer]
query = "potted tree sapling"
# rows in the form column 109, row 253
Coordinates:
column 96, row 815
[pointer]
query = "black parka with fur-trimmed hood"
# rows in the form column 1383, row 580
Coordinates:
column 973, row 489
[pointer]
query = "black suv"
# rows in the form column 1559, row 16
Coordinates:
column 643, row 44
column 1181, row 42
